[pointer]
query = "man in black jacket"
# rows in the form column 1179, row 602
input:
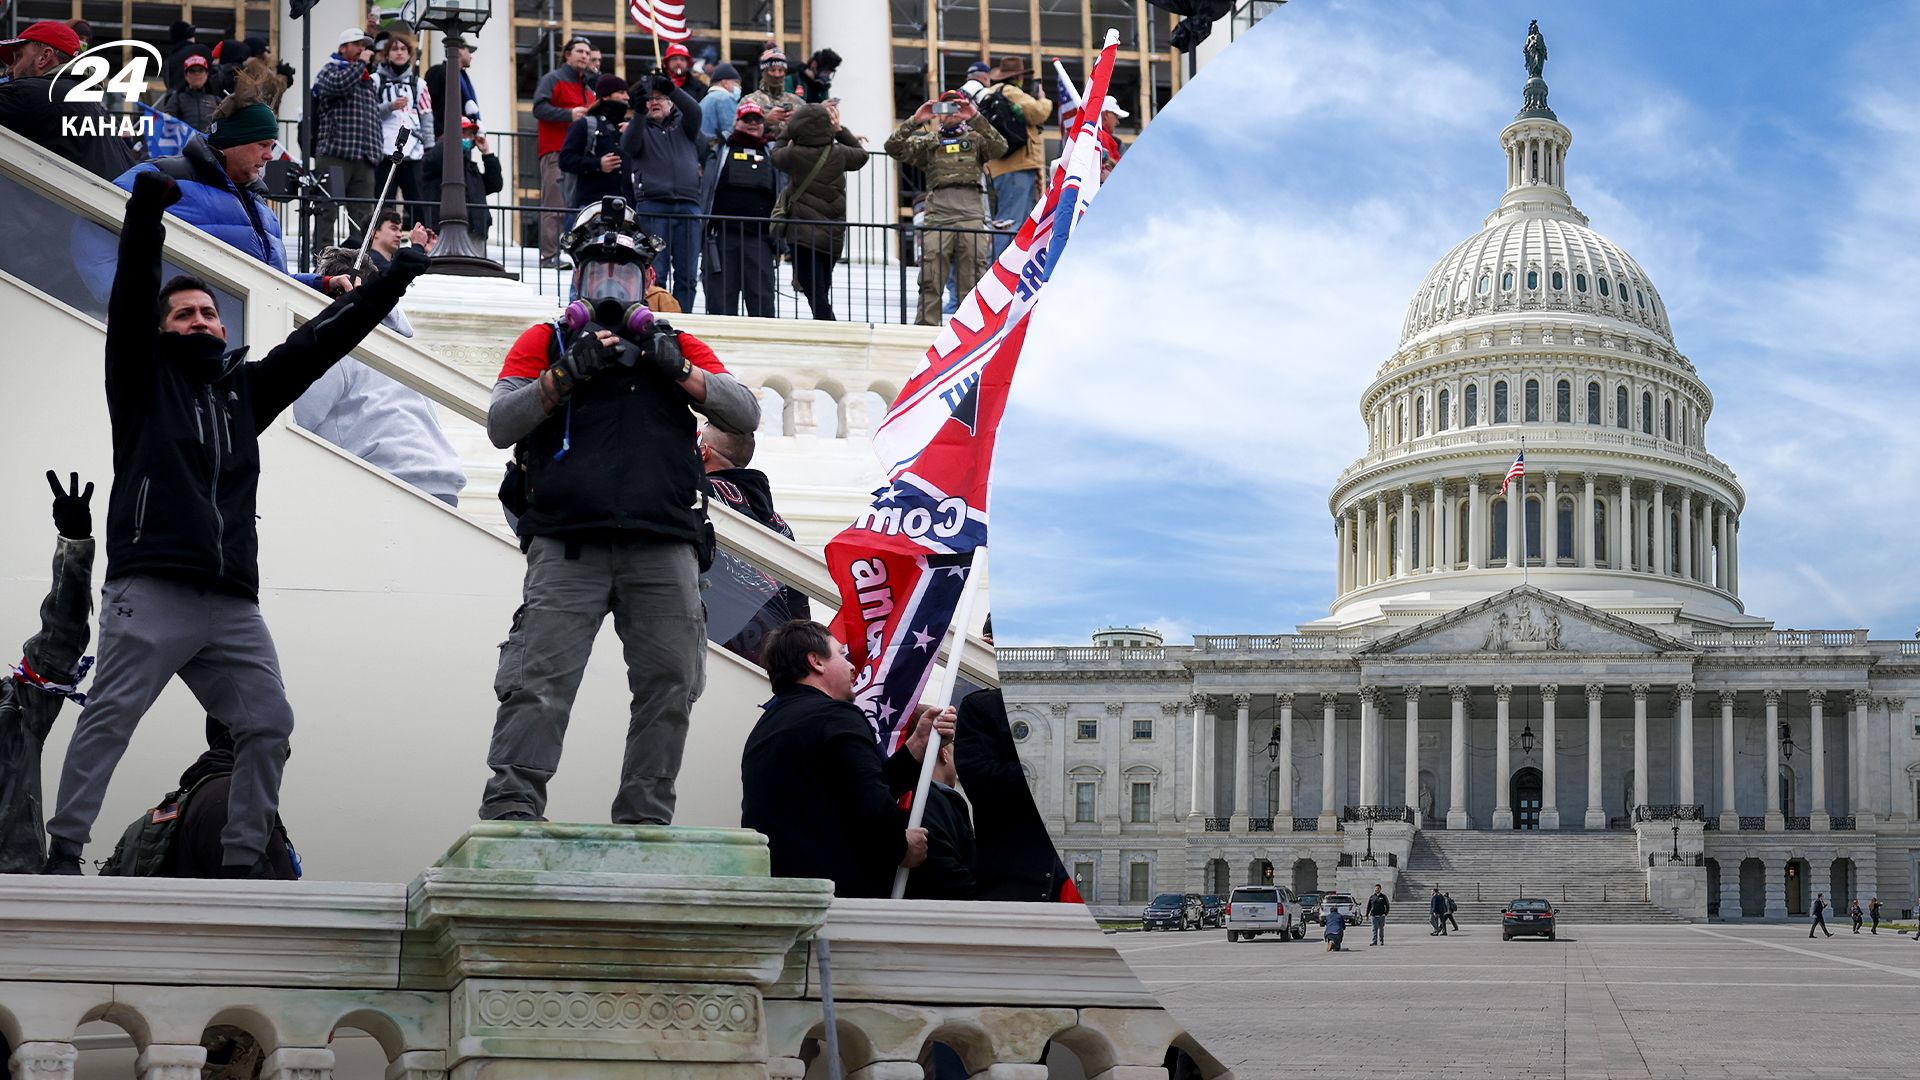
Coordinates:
column 1016, row 858
column 183, row 580
column 197, row 848
column 812, row 778
column 592, row 151
column 46, row 676
column 34, row 102
column 1377, row 906
column 948, row 872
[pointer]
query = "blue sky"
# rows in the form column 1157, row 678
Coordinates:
column 1191, row 383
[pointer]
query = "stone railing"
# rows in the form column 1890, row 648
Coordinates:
column 1077, row 654
column 580, row 951
column 1306, row 824
column 1799, row 824
column 1673, row 812
column 1753, row 822
column 1277, row 643
column 1377, row 813
column 1260, row 824
column 1779, row 639
column 1843, row 823
column 1219, row 824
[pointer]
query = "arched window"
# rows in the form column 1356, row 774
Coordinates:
column 1441, row 419
column 1685, row 420
column 1559, row 281
column 1393, row 544
column 1413, row 538
column 1486, row 284
column 1506, row 281
column 1593, row 403
column 1497, row 542
column 1472, row 406
column 1533, row 530
column 1500, row 402
column 1673, row 544
column 1642, row 297
column 1646, row 411
column 1462, row 519
column 1400, row 424
column 1533, row 401
column 1563, row 531
column 1580, row 282
column 1533, row 279
column 1666, row 419
column 1599, row 532
column 1603, row 287
column 1623, row 291
column 1563, row 402
column 1622, row 415
column 1419, row 416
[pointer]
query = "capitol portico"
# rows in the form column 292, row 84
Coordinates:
column 1570, row 654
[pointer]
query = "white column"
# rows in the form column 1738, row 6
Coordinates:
column 1382, row 554
column 1720, row 547
column 1242, row 703
column 172, row 1061
column 1660, row 529
column 1437, row 528
column 1340, row 559
column 1457, row 765
column 1729, row 794
column 1857, row 756
column 1584, row 543
column 1686, row 534
column 1502, row 757
column 1623, row 524
column 1770, row 735
column 297, row 1063
column 1476, row 525
column 855, row 28
column 1286, row 763
column 1516, row 528
column 1685, row 692
column 1899, row 797
column 1362, row 547
column 1329, row 809
column 1733, row 553
column 1198, row 780
column 1549, row 771
column 1209, row 732
column 1410, row 784
column 1596, row 811
column 1406, row 530
column 1550, row 523
column 1640, row 691
column 44, row 1061
column 1818, row 721
column 1369, row 746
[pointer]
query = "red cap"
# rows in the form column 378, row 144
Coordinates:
column 677, row 49
column 467, row 124
column 48, row 32
column 749, row 108
column 953, row 95
column 194, row 61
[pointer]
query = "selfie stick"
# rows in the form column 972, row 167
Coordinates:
column 399, row 144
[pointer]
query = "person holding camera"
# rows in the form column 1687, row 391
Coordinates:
column 951, row 152
column 664, row 146
column 182, row 594
column 608, row 494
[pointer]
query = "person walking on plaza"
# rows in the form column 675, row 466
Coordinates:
column 1819, row 915
column 563, row 96
column 816, row 157
column 608, row 495
column 1452, row 907
column 1437, row 914
column 1377, row 906
column 1873, row 913
column 951, row 152
column 1853, row 909
column 1336, row 929
column 1017, row 175
column 182, row 592
column 664, row 146
column 347, row 119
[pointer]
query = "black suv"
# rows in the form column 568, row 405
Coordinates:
column 1530, row 918
column 1173, row 911
column 1309, row 906
column 1213, row 912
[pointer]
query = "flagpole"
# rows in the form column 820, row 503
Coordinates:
column 949, row 678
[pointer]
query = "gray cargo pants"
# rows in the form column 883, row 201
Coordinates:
column 652, row 589
column 150, row 630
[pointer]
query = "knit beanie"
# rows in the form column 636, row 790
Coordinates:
column 250, row 124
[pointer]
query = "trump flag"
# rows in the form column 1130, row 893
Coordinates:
column 903, row 563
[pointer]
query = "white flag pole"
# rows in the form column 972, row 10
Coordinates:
column 949, row 679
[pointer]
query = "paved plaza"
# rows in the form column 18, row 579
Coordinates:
column 1609, row 1001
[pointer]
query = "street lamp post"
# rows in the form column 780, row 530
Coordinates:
column 1675, row 857
column 1368, row 857
column 455, row 251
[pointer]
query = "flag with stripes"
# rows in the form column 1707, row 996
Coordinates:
column 166, row 135
column 901, row 566
column 1069, row 102
column 1519, row 470
column 665, row 19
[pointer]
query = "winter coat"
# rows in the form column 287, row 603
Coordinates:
column 27, row 712
column 1032, row 156
column 403, row 85
column 1438, row 905
column 716, row 115
column 666, row 155
column 384, row 424
column 812, row 779
column 948, row 872
column 589, row 139
column 479, row 219
column 186, row 417
column 35, row 108
column 346, row 111
column 952, row 159
column 1377, row 905
column 752, row 183
column 174, row 65
column 560, row 92
column 193, row 107
column 769, row 101
column 1014, row 856
column 809, row 135
column 197, row 850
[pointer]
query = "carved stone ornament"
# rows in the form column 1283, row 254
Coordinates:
column 1114, row 707
column 719, row 1011
column 1516, row 630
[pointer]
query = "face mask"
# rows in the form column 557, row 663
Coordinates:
column 466, row 144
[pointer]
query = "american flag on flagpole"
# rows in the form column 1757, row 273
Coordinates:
column 1518, row 471
column 1069, row 101
column 665, row 19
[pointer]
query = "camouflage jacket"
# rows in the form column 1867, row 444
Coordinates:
column 27, row 712
column 950, row 159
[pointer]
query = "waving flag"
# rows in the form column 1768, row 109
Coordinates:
column 664, row 19
column 167, row 135
column 1518, row 471
column 1069, row 102
column 902, row 564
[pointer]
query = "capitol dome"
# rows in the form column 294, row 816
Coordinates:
column 1538, row 335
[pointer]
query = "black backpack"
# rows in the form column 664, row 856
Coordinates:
column 1006, row 119
column 146, row 847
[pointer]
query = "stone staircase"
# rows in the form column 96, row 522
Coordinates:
column 1588, row 877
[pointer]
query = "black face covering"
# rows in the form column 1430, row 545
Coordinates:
column 612, row 111
column 200, row 357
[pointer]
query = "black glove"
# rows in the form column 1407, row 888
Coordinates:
column 71, row 514
column 153, row 190
column 586, row 357
column 661, row 348
column 408, row 263
column 660, row 84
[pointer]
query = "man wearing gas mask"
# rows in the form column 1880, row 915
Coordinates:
column 607, row 487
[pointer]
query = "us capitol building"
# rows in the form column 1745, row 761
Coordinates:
column 1607, row 723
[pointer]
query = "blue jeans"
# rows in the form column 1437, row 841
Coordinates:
column 675, row 221
column 1013, row 197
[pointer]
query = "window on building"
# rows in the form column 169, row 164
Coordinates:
column 1622, row 416
column 1506, row 281
column 1137, row 882
column 1642, row 297
column 1599, row 532
column 1559, row 281
column 1533, row 401
column 1580, row 282
column 1563, row 402
column 1593, row 403
column 1673, row 543
column 1400, row 425
column 1142, row 808
column 1497, row 543
column 1646, row 411
column 1666, row 419
column 1083, row 795
column 1393, row 544
column 1533, row 279
column 1440, row 418
column 1686, row 422
column 1472, row 406
column 1564, row 531
column 1021, row 729
column 1142, row 730
column 1622, row 284
column 1500, row 402
column 1087, row 731
column 1413, row 539
column 1603, row 288
column 1461, row 532
column 1419, row 416
column 1486, row 284
column 1533, row 531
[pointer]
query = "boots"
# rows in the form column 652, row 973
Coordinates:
column 63, row 857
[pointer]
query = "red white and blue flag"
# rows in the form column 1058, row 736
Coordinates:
column 1518, row 471
column 664, row 19
column 1069, row 102
column 902, row 565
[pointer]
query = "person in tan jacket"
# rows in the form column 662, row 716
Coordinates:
column 1019, row 177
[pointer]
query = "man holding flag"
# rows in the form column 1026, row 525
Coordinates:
column 903, row 567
